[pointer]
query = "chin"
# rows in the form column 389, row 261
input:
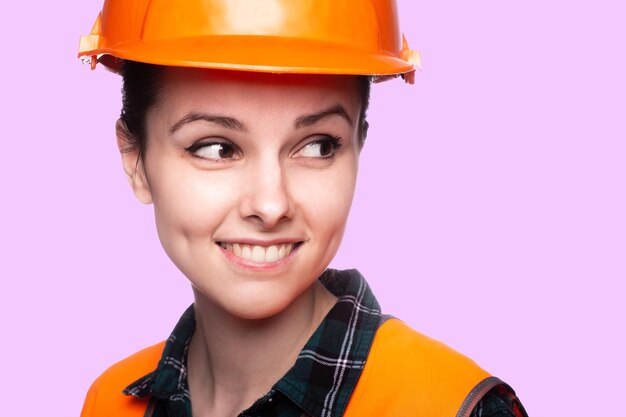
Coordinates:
column 263, row 313
column 257, row 302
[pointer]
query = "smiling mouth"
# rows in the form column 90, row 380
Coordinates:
column 260, row 254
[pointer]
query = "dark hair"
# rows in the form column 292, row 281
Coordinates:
column 141, row 88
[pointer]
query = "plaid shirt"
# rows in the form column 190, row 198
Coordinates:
column 324, row 375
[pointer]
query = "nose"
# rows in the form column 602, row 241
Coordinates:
column 267, row 200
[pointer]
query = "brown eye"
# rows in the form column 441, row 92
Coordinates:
column 214, row 151
column 323, row 148
column 326, row 149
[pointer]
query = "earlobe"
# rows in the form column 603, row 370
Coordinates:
column 132, row 163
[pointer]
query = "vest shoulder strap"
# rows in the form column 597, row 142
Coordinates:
column 412, row 375
column 105, row 397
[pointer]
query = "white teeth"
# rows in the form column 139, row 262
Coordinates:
column 246, row 253
column 258, row 253
column 271, row 255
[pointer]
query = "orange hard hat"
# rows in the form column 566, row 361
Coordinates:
column 358, row 37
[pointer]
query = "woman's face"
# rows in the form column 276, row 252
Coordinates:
column 252, row 178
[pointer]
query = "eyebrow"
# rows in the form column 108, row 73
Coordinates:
column 234, row 124
column 311, row 119
column 225, row 121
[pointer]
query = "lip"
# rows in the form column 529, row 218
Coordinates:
column 250, row 264
column 260, row 242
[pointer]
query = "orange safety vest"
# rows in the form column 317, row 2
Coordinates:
column 406, row 374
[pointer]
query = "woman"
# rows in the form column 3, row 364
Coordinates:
column 242, row 124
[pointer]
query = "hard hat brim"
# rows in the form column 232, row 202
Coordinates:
column 256, row 53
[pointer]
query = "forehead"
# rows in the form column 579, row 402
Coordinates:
column 192, row 86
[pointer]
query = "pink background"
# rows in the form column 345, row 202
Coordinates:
column 490, row 211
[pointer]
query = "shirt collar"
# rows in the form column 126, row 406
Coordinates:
column 326, row 370
column 169, row 379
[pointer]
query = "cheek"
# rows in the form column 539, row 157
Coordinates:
column 326, row 197
column 189, row 206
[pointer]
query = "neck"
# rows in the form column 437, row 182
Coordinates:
column 234, row 361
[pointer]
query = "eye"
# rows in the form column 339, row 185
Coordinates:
column 324, row 147
column 214, row 151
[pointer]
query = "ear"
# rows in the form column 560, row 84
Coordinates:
column 133, row 163
column 363, row 134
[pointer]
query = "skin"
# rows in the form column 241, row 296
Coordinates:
column 269, row 174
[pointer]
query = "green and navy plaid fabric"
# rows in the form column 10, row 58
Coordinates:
column 500, row 401
column 167, row 385
column 323, row 377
